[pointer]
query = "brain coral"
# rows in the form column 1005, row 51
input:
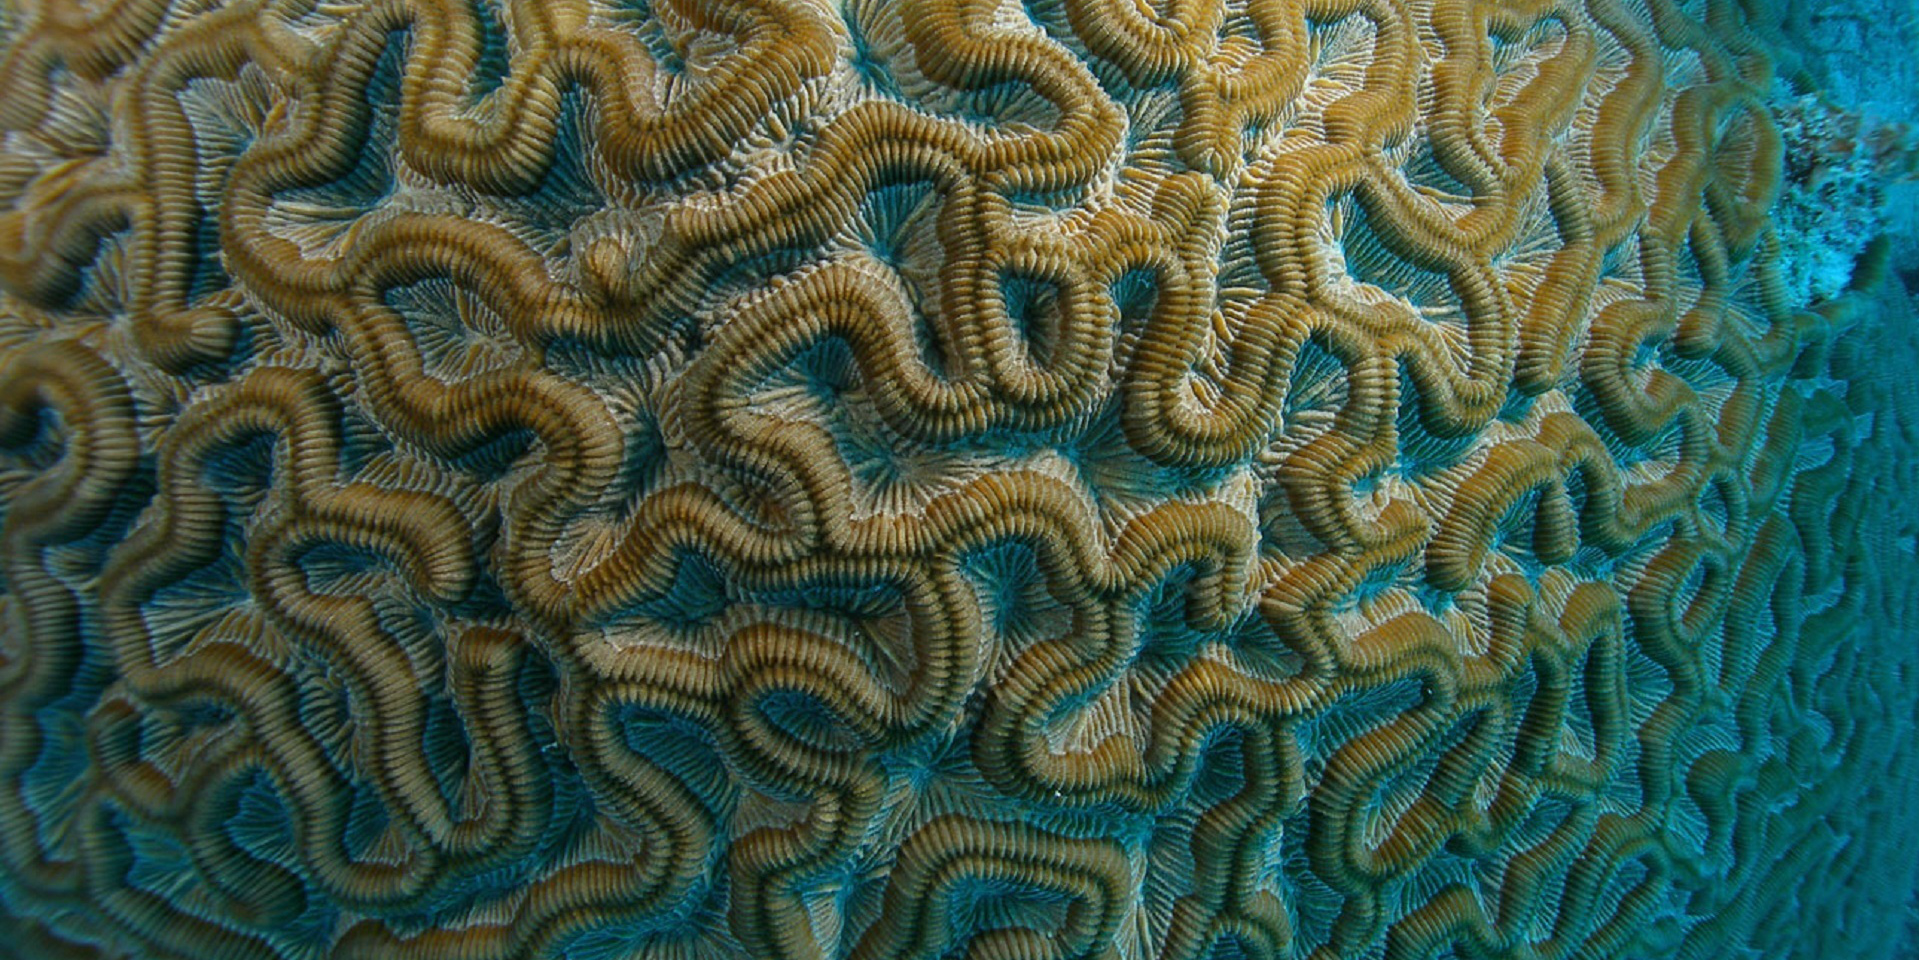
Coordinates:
column 933, row 478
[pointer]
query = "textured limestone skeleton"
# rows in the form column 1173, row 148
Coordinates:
column 920, row 478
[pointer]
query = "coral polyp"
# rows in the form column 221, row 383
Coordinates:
column 936, row 478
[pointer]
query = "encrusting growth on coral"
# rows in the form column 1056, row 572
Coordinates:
column 926, row 478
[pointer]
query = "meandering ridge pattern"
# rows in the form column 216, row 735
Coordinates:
column 933, row 478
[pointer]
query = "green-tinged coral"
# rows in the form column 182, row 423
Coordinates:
column 937, row 478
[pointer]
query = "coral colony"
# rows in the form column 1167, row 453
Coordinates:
column 877, row 479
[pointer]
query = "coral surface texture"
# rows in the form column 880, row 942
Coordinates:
column 816, row 479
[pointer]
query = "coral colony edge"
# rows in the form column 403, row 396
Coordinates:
column 815, row 479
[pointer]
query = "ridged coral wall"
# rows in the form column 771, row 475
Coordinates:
column 934, row 478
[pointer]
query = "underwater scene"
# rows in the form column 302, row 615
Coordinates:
column 959, row 479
